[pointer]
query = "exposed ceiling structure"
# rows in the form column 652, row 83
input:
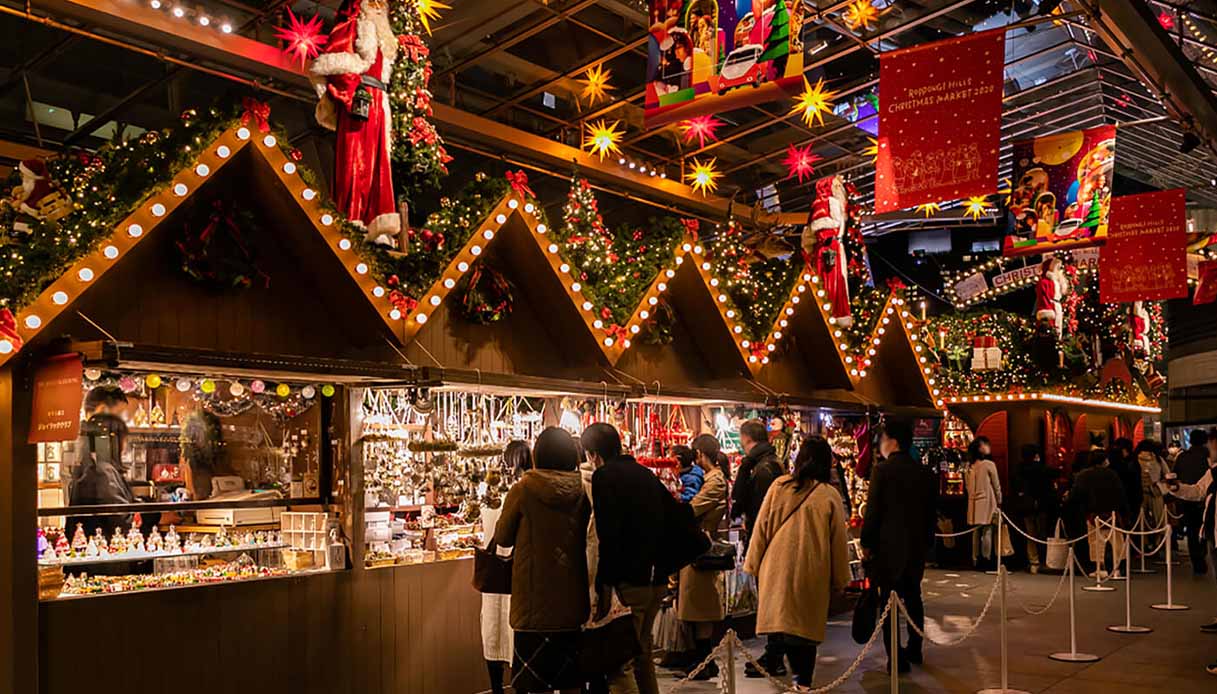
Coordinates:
column 78, row 72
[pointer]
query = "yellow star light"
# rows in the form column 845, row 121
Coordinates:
column 860, row 15
column 872, row 150
column 814, row 102
column 1007, row 190
column 977, row 205
column 602, row 138
column 596, row 84
column 703, row 176
column 929, row 209
column 428, row 11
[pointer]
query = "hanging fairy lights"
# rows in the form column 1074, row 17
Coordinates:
column 196, row 15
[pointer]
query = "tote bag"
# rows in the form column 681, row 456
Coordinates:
column 491, row 572
column 1057, row 554
column 866, row 614
column 1007, row 549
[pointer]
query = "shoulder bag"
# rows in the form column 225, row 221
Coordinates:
column 491, row 572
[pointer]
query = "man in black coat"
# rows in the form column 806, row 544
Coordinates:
column 758, row 469
column 898, row 530
column 1190, row 466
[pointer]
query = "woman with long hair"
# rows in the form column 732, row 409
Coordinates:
column 699, row 602
column 799, row 554
column 984, row 501
column 496, row 608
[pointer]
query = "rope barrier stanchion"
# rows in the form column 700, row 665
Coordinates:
column 1169, row 605
column 1128, row 627
column 727, row 671
column 1072, row 656
column 1002, row 576
column 893, row 655
column 1142, row 569
column 1098, row 586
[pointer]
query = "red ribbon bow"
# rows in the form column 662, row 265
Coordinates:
column 8, row 329
column 519, row 183
column 692, row 227
column 256, row 113
column 617, row 332
column 414, row 45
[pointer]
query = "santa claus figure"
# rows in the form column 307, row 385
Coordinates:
column 351, row 78
column 35, row 199
column 1050, row 291
column 823, row 241
column 1138, row 323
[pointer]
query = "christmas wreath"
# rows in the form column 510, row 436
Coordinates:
column 217, row 255
column 486, row 297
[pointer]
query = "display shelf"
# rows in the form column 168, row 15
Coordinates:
column 144, row 556
column 176, row 506
column 303, row 573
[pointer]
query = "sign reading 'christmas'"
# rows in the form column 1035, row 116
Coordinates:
column 939, row 121
column 1145, row 258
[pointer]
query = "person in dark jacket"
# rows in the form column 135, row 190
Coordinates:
column 898, row 530
column 629, row 501
column 98, row 476
column 1035, row 498
column 545, row 519
column 757, row 471
column 1124, row 462
column 1190, row 466
column 1098, row 495
column 691, row 476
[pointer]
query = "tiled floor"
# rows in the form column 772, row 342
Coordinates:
column 1170, row 660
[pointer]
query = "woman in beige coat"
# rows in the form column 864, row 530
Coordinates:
column 984, row 499
column 799, row 553
column 700, row 601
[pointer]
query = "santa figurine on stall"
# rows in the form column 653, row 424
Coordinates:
column 1138, row 324
column 1050, row 291
column 823, row 242
column 36, row 199
column 351, row 79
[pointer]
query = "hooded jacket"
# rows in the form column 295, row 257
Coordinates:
column 757, row 471
column 545, row 519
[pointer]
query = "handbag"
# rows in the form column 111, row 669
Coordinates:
column 491, row 572
column 1057, row 554
column 720, row 557
column 604, row 649
column 1006, row 549
column 866, row 614
column 681, row 540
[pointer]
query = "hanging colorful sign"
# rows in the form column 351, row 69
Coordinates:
column 1206, row 285
column 1145, row 257
column 708, row 56
column 939, row 121
column 55, row 414
column 1062, row 191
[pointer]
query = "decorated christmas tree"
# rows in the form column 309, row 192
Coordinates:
column 777, row 43
column 1094, row 214
column 419, row 157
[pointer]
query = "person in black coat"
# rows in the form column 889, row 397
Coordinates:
column 1190, row 466
column 898, row 529
column 1098, row 495
column 1035, row 498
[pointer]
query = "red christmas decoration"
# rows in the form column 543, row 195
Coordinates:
column 256, row 113
column 1167, row 20
column 800, row 162
column 304, row 39
column 700, row 128
column 519, row 183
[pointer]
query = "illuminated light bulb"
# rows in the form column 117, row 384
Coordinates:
column 204, row 20
column 722, row 298
column 670, row 273
column 395, row 314
column 752, row 359
column 634, row 329
column 771, row 346
column 886, row 321
column 890, row 309
column 449, row 283
column 680, row 259
column 597, row 324
column 866, row 362
column 6, row 347
column 789, row 311
column 832, row 320
column 222, row 151
column 652, row 301
column 764, row 360
column 179, row 12
column 421, row 318
column 608, row 342
column 662, row 287
column 853, row 372
column 644, row 314
column 488, row 234
column 476, row 250
column 807, row 277
column 500, row 218
column 744, row 343
column 158, row 210
column 642, row 169
column 931, row 381
column 362, row 268
column 827, row 307
column 529, row 207
column 849, row 359
column 60, row 298
column 289, row 168
column 378, row 291
column 871, row 351
column 802, row 289
column 815, row 279
column 135, row 231
column 777, row 335
column 327, row 219
column 33, row 322
column 625, row 343
column 917, row 348
column 541, row 229
column 820, row 293
column 156, row 4
column 308, row 193
column 705, row 266
column 85, row 274
column 269, row 140
column 836, row 333
column 202, row 169
column 936, row 391
column 882, row 331
column 110, row 252
column 226, row 28
column 783, row 322
column 243, row 133
column 862, row 373
column 434, row 300
column 687, row 247
column 904, row 314
column 564, row 268
column 513, row 203
column 794, row 299
column 697, row 250
column 553, row 248
column 587, row 306
column 737, row 330
column 575, row 286
column 714, row 282
column 926, row 370
column 344, row 244
column 731, row 313
column 462, row 266
column 842, row 346
column 875, row 341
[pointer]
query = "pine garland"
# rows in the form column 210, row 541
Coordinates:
column 419, row 158
column 755, row 289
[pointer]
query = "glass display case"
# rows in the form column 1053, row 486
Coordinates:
column 179, row 479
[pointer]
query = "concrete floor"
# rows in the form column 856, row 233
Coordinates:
column 1170, row 660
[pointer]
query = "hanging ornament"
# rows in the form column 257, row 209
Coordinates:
column 327, row 390
column 602, row 138
column 183, row 385
column 283, row 390
column 872, row 150
column 257, row 386
column 700, row 128
column 208, row 386
column 814, row 102
column 304, row 39
column 92, row 374
column 236, row 389
column 977, row 205
column 128, row 384
column 596, row 83
column 703, row 176
column 800, row 162
column 929, row 209
column 860, row 15
column 308, row 392
column 428, row 11
column 153, row 381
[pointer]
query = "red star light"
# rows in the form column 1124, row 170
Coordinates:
column 800, row 162
column 700, row 128
column 304, row 39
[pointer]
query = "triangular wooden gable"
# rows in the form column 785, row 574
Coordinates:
column 148, row 217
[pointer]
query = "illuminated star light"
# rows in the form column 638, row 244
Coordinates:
column 814, row 102
column 602, row 138
column 800, row 162
column 701, row 128
column 860, row 15
column 703, row 176
column 596, row 84
column 304, row 39
column 977, row 205
column 428, row 11
column 929, row 209
column 872, row 150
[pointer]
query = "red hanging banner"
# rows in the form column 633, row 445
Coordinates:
column 939, row 121
column 55, row 414
column 1206, row 286
column 1145, row 258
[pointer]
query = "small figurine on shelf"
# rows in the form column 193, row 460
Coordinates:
column 43, row 544
column 118, row 542
column 154, row 541
column 99, row 541
column 79, row 541
column 62, row 548
column 172, row 542
column 135, row 540
column 207, row 543
column 91, row 549
column 221, row 539
column 141, row 416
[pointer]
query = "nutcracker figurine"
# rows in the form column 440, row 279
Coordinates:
column 823, row 241
column 351, row 79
